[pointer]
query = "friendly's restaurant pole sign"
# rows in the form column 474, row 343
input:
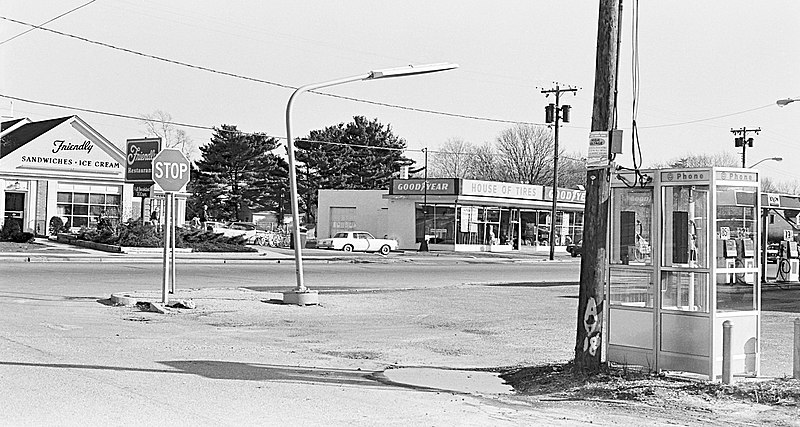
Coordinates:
column 139, row 155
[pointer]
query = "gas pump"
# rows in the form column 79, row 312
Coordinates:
column 788, row 262
column 747, row 251
column 731, row 253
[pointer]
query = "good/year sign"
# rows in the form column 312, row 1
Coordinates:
column 170, row 169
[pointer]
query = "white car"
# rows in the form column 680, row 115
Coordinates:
column 349, row 241
column 246, row 230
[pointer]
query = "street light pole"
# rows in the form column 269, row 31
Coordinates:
column 783, row 102
column 777, row 159
column 301, row 295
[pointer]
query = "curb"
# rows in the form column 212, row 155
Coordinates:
column 123, row 299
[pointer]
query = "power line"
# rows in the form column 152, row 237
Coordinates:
column 267, row 82
column 189, row 125
column 47, row 22
column 706, row 119
column 211, row 128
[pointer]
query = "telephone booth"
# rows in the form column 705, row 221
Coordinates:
column 683, row 248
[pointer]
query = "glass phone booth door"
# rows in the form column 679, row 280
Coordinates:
column 631, row 295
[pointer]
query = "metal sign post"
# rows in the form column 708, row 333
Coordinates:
column 167, row 229
column 171, row 172
column 174, row 235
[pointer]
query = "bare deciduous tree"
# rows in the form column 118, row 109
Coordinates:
column 159, row 124
column 724, row 158
column 453, row 160
column 525, row 153
column 521, row 153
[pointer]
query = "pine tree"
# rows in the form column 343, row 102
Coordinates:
column 362, row 154
column 237, row 172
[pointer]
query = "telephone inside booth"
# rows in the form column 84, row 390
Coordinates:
column 788, row 262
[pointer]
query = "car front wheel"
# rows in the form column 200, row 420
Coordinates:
column 385, row 249
column 347, row 248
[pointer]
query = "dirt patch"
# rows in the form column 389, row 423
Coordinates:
column 21, row 247
column 658, row 396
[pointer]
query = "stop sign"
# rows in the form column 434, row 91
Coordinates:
column 170, row 169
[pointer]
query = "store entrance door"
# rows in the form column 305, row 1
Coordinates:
column 15, row 208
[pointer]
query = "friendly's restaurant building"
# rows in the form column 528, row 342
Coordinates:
column 456, row 214
column 63, row 167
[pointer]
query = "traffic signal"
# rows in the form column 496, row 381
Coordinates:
column 565, row 113
column 550, row 113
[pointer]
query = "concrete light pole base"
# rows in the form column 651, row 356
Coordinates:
column 306, row 297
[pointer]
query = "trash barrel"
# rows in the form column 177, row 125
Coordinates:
column 303, row 238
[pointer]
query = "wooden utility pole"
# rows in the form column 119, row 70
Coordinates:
column 595, row 218
column 743, row 141
column 554, row 113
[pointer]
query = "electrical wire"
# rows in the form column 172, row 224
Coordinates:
column 636, row 147
column 267, row 82
column 47, row 22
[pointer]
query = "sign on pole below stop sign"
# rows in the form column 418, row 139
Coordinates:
column 170, row 169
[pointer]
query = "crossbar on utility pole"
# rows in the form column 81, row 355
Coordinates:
column 743, row 140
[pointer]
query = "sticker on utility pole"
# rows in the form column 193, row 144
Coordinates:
column 598, row 150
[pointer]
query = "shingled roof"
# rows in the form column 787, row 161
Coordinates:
column 26, row 133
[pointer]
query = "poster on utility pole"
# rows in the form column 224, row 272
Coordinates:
column 598, row 150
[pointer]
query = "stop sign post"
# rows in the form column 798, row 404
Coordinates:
column 171, row 173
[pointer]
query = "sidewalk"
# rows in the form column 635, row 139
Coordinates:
column 53, row 251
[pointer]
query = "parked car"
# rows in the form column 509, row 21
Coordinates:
column 772, row 253
column 211, row 225
column 349, row 241
column 247, row 230
column 575, row 249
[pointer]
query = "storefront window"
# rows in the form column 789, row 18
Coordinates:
column 84, row 209
column 437, row 222
column 536, row 227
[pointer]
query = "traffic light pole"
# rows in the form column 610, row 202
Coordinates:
column 556, row 114
column 743, row 141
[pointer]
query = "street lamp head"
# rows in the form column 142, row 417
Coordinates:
column 410, row 70
column 783, row 102
column 777, row 159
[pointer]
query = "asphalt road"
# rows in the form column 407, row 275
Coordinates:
column 67, row 359
column 101, row 279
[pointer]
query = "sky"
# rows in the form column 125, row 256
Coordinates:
column 704, row 68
